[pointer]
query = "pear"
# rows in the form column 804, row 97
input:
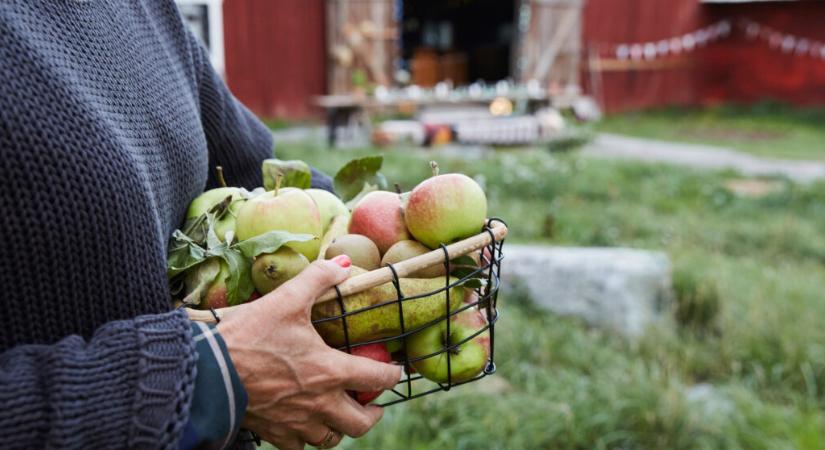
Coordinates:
column 407, row 249
column 202, row 203
column 383, row 321
column 329, row 206
column 291, row 210
column 444, row 209
column 271, row 270
column 361, row 250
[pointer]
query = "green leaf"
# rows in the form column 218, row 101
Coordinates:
column 293, row 173
column 239, row 283
column 351, row 179
column 473, row 283
column 184, row 253
column 366, row 190
column 203, row 277
column 269, row 242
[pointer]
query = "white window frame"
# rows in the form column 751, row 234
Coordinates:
column 214, row 14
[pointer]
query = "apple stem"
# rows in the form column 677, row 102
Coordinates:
column 219, row 173
column 278, row 179
column 434, row 167
column 397, row 188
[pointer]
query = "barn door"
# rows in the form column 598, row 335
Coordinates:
column 362, row 41
column 550, row 42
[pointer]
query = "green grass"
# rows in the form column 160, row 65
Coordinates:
column 562, row 385
column 766, row 129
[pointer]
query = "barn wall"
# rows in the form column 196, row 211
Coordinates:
column 741, row 70
column 611, row 22
column 275, row 55
column 730, row 70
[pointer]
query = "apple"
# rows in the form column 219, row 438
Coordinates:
column 466, row 361
column 377, row 351
column 360, row 249
column 328, row 204
column 444, row 209
column 202, row 203
column 378, row 217
column 291, row 210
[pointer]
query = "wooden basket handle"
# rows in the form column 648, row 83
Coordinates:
column 383, row 275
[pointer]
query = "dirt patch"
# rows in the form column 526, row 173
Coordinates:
column 751, row 188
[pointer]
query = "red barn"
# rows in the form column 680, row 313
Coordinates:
column 278, row 53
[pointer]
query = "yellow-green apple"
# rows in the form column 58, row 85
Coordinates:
column 291, row 210
column 360, row 249
column 377, row 351
column 202, row 203
column 378, row 217
column 466, row 360
column 444, row 209
column 408, row 249
column 271, row 270
column 328, row 204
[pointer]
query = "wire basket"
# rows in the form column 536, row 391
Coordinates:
column 488, row 244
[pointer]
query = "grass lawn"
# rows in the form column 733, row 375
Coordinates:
column 563, row 385
column 765, row 129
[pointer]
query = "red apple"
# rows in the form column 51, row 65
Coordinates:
column 444, row 209
column 378, row 217
column 379, row 352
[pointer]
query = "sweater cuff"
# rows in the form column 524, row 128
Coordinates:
column 219, row 399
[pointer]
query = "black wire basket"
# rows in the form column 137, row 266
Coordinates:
column 413, row 384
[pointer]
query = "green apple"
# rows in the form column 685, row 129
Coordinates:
column 328, row 205
column 212, row 197
column 291, row 210
column 444, row 209
column 466, row 360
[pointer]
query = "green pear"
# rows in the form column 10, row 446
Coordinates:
column 384, row 321
column 291, row 210
column 202, row 204
column 408, row 249
column 444, row 209
column 206, row 284
column 329, row 206
column 466, row 360
column 360, row 249
column 271, row 270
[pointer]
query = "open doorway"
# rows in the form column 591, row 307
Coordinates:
column 457, row 40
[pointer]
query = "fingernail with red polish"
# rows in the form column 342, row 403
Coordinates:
column 342, row 260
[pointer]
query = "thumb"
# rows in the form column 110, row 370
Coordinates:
column 313, row 281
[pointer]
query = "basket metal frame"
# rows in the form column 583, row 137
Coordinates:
column 486, row 301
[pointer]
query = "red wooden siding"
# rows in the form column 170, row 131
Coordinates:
column 742, row 70
column 275, row 55
column 732, row 69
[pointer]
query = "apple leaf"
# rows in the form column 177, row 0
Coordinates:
column 473, row 283
column 352, row 178
column 269, row 242
column 293, row 173
column 366, row 190
column 205, row 275
column 239, row 283
column 184, row 253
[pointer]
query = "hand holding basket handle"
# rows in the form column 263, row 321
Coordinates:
column 497, row 232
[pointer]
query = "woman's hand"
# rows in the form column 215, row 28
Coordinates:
column 296, row 383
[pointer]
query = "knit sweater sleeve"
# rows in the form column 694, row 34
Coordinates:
column 237, row 140
column 129, row 386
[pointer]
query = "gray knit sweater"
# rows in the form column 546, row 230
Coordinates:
column 111, row 120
